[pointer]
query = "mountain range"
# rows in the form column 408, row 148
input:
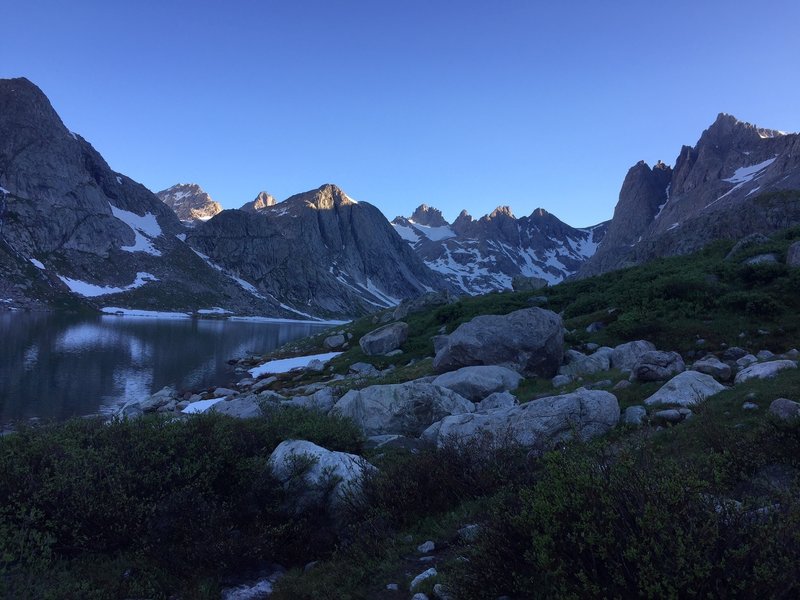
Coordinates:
column 74, row 233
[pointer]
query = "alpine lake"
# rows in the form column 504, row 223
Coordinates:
column 56, row 366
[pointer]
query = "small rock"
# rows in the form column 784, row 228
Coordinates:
column 440, row 591
column 316, row 365
column 221, row 392
column 711, row 365
column 263, row 384
column 419, row 596
column 635, row 415
column 332, row 342
column 595, row 327
column 734, row 353
column 496, row 400
column 746, row 361
column 392, row 587
column 432, row 572
column 669, row 415
column 749, row 406
column 785, row 409
column 363, row 369
column 561, row 380
column 426, row 547
column 792, row 354
column 397, row 352
column 765, row 355
column 621, row 385
column 657, row 365
column 469, row 533
column 599, row 385
column 793, row 255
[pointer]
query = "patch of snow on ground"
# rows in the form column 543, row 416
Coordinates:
column 380, row 294
column 74, row 135
column 753, row 191
column 245, row 285
column 287, row 364
column 4, row 190
column 119, row 180
column 150, row 314
column 673, row 226
column 200, row 406
column 436, row 234
column 255, row 319
column 91, row 290
column 407, row 233
column 144, row 228
column 37, row 263
column 181, row 236
column 666, row 201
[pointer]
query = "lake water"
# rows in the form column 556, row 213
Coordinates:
column 53, row 366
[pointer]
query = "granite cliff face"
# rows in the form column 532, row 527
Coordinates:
column 320, row 252
column 738, row 179
column 484, row 255
column 74, row 232
column 190, row 202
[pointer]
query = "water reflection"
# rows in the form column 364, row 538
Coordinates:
column 57, row 366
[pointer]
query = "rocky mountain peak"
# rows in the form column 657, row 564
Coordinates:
column 263, row 200
column 190, row 202
column 502, row 212
column 428, row 216
column 326, row 197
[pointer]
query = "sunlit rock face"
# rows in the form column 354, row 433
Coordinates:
column 737, row 180
column 190, row 202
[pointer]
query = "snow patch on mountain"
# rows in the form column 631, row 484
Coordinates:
column 144, row 228
column 90, row 290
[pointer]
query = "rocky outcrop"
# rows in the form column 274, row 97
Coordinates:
column 189, row 202
column 540, row 424
column 686, row 389
column 384, row 339
column 478, row 382
column 403, row 409
column 737, row 180
column 490, row 253
column 320, row 252
column 529, row 341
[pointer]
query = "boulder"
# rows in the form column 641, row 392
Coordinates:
column 156, row 401
column 669, row 415
column 762, row 259
column 624, row 356
column 635, row 415
column 541, row 423
column 793, row 255
column 764, row 370
column 657, row 365
column 420, row 303
column 243, row 407
column 529, row 341
column 686, row 389
column 363, row 369
column 711, row 365
column 581, row 364
column 477, row 382
column 321, row 400
column 785, row 409
column 384, row 339
column 403, row 408
column 561, row 381
column 749, row 241
column 332, row 342
column 521, row 283
column 289, row 463
column 765, row 355
column 745, row 361
column 496, row 400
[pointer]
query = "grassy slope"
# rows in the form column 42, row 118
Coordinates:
column 46, row 525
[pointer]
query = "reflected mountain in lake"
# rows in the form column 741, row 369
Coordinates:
column 56, row 366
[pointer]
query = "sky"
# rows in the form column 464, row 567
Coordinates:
column 459, row 105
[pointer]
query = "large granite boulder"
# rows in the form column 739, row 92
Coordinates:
column 529, row 341
column 657, row 365
column 243, row 407
column 384, row 339
column 764, row 370
column 785, row 409
column 309, row 470
column 477, row 382
column 541, row 423
column 624, row 356
column 403, row 408
column 686, row 389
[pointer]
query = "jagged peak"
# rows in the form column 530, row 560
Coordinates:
column 728, row 127
column 501, row 211
column 428, row 216
column 540, row 213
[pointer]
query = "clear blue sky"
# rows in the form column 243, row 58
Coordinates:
column 454, row 104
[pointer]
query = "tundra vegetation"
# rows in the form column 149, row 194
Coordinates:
column 165, row 507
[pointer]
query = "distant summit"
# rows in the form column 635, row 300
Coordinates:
column 262, row 201
column 190, row 202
